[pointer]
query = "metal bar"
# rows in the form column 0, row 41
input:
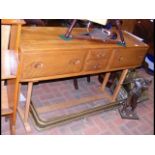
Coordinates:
column 70, row 28
column 44, row 124
column 120, row 31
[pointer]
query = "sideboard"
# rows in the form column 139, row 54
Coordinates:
column 44, row 55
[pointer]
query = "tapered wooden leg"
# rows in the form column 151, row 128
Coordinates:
column 88, row 78
column 12, row 125
column 117, row 89
column 106, row 78
column 27, row 106
column 75, row 84
column 13, row 87
column 100, row 78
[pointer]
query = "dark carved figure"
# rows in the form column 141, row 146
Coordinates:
column 128, row 108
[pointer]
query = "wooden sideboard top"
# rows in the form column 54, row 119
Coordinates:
column 35, row 39
column 12, row 22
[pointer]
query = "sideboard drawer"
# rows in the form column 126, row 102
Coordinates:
column 45, row 64
column 97, row 59
column 99, row 54
column 94, row 65
column 128, row 57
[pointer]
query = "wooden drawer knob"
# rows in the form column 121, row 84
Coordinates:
column 100, row 55
column 120, row 59
column 38, row 65
column 96, row 66
column 75, row 62
column 140, row 57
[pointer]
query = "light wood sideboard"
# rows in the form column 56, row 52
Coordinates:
column 44, row 55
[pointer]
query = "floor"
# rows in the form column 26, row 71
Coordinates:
column 105, row 123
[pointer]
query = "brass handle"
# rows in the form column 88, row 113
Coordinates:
column 75, row 62
column 96, row 66
column 140, row 57
column 120, row 58
column 38, row 65
column 100, row 55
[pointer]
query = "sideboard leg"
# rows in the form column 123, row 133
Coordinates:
column 27, row 106
column 75, row 81
column 117, row 89
column 106, row 78
column 12, row 126
column 88, row 78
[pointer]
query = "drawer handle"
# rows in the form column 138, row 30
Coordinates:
column 96, row 66
column 140, row 57
column 75, row 62
column 100, row 55
column 38, row 65
column 120, row 59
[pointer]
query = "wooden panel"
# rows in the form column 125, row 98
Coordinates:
column 5, row 64
column 128, row 57
column 48, row 38
column 5, row 35
column 10, row 40
column 12, row 21
column 9, row 64
column 5, row 106
column 11, row 30
column 15, row 37
column 52, row 63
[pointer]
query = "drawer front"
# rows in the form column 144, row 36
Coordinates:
column 97, row 59
column 52, row 63
column 99, row 54
column 94, row 65
column 128, row 57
